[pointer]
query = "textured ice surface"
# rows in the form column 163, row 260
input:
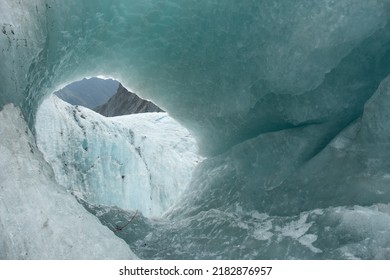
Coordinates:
column 141, row 161
column 288, row 99
column 331, row 233
column 38, row 219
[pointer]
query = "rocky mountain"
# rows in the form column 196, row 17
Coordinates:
column 88, row 93
column 125, row 102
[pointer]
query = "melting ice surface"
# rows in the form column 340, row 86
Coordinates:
column 288, row 100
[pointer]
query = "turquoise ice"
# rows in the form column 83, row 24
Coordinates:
column 286, row 99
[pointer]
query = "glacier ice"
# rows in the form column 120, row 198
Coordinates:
column 286, row 99
column 38, row 219
column 137, row 162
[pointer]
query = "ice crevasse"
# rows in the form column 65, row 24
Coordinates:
column 288, row 101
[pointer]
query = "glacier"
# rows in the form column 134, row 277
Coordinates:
column 136, row 162
column 287, row 100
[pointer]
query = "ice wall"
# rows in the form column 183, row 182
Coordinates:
column 136, row 162
column 38, row 219
column 274, row 92
column 263, row 200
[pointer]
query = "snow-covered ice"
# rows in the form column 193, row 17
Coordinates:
column 38, row 218
column 136, row 162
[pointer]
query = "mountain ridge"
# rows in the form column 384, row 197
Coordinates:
column 88, row 93
column 125, row 102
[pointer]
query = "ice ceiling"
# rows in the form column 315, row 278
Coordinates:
column 288, row 99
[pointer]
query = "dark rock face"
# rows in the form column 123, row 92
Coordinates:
column 125, row 102
column 88, row 93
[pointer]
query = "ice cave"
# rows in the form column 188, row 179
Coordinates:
column 289, row 103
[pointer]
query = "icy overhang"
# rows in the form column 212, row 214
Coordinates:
column 227, row 70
